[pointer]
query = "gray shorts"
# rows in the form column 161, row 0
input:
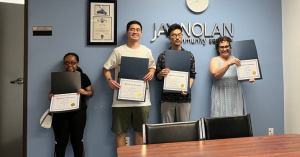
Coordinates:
column 170, row 109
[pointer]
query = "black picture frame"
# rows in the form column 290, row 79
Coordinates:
column 102, row 22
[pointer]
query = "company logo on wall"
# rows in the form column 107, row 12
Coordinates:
column 196, row 37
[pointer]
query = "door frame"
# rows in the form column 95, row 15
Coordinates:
column 25, row 78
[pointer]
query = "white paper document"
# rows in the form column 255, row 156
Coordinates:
column 248, row 69
column 176, row 80
column 134, row 90
column 64, row 102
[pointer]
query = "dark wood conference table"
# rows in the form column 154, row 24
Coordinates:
column 285, row 145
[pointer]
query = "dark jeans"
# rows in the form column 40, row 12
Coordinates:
column 69, row 124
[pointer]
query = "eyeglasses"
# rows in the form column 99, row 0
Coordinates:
column 134, row 29
column 224, row 47
column 176, row 35
column 70, row 62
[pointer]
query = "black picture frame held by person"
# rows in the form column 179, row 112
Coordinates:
column 102, row 22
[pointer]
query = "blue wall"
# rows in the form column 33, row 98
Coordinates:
column 255, row 19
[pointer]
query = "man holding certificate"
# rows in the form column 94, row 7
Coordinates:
column 226, row 95
column 126, row 112
column 176, row 99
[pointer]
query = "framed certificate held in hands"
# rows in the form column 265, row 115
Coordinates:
column 176, row 81
column 132, row 90
column 248, row 69
column 246, row 52
column 64, row 102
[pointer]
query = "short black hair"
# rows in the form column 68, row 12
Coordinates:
column 72, row 54
column 222, row 39
column 173, row 27
column 133, row 22
column 77, row 59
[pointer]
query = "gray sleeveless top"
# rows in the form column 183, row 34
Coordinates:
column 227, row 95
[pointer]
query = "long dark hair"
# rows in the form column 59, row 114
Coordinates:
column 77, row 59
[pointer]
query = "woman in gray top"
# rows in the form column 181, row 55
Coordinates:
column 226, row 95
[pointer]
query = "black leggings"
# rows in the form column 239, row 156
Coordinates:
column 69, row 124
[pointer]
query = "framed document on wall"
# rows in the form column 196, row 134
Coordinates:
column 102, row 22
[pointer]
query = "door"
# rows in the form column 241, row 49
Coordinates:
column 11, row 68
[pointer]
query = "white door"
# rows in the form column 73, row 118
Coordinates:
column 11, row 68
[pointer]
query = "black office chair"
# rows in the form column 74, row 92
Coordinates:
column 227, row 127
column 171, row 132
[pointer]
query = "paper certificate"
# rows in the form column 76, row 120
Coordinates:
column 248, row 69
column 176, row 80
column 134, row 90
column 102, row 28
column 64, row 102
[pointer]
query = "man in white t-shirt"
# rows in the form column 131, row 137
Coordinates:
column 127, row 112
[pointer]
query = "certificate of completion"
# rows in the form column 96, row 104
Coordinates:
column 176, row 80
column 248, row 69
column 64, row 102
column 102, row 28
column 134, row 90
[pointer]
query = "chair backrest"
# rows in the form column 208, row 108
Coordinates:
column 227, row 127
column 170, row 132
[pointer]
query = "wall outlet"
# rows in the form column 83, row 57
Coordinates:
column 127, row 139
column 271, row 131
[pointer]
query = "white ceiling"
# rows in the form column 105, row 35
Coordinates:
column 13, row 1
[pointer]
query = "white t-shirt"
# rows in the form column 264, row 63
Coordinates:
column 114, row 61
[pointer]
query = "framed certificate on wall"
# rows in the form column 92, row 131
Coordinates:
column 102, row 22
